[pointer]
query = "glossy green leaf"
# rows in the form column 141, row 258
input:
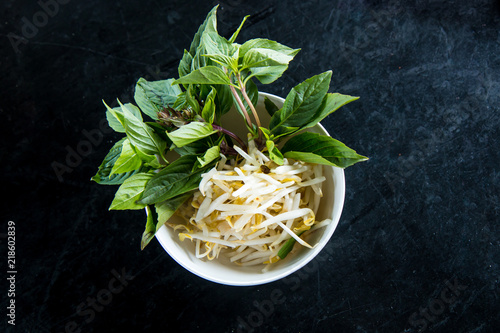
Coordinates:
column 175, row 179
column 260, row 57
column 223, row 101
column 320, row 149
column 161, row 131
column 267, row 75
column 224, row 60
column 214, row 44
column 141, row 136
column 166, row 209
column 191, row 98
column 236, row 33
column 113, row 121
column 185, row 63
column 193, row 59
column 205, row 75
column 302, row 103
column 271, row 108
column 146, row 158
column 210, row 155
column 197, row 147
column 191, row 132
column 153, row 96
column 130, row 192
column 208, row 112
column 331, row 103
column 180, row 102
column 128, row 160
column 208, row 25
column 274, row 153
column 150, row 229
column 262, row 43
column 104, row 176
column 266, row 59
column 199, row 61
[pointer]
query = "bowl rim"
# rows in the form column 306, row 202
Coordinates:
column 339, row 198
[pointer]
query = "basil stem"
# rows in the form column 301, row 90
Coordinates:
column 288, row 246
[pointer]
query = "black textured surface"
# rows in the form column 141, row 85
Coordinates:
column 421, row 217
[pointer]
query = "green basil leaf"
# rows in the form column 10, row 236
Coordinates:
column 150, row 229
column 223, row 101
column 262, row 43
column 210, row 155
column 166, row 209
column 283, row 131
column 302, row 103
column 151, row 161
column 274, row 153
column 266, row 59
column 130, row 192
column 191, row 100
column 203, row 90
column 208, row 112
column 113, row 121
column 146, row 158
column 192, row 59
column 267, row 75
column 153, row 96
column 224, row 60
column 308, row 157
column 271, row 108
column 180, row 102
column 191, row 132
column 260, row 57
column 104, row 176
column 331, row 103
column 185, row 64
column 175, row 179
column 267, row 133
column 215, row 44
column 196, row 148
column 199, row 61
column 128, row 160
column 160, row 131
column 320, row 149
column 235, row 34
column 141, row 136
column 204, row 75
column 209, row 25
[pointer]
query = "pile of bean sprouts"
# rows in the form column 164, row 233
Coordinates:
column 250, row 207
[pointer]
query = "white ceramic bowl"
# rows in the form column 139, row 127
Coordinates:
column 221, row 270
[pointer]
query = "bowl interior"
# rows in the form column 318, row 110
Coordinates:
column 221, row 270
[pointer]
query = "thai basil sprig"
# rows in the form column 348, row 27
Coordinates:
column 184, row 116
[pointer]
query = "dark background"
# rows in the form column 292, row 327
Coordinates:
column 417, row 246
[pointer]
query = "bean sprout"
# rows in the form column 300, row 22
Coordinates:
column 247, row 214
